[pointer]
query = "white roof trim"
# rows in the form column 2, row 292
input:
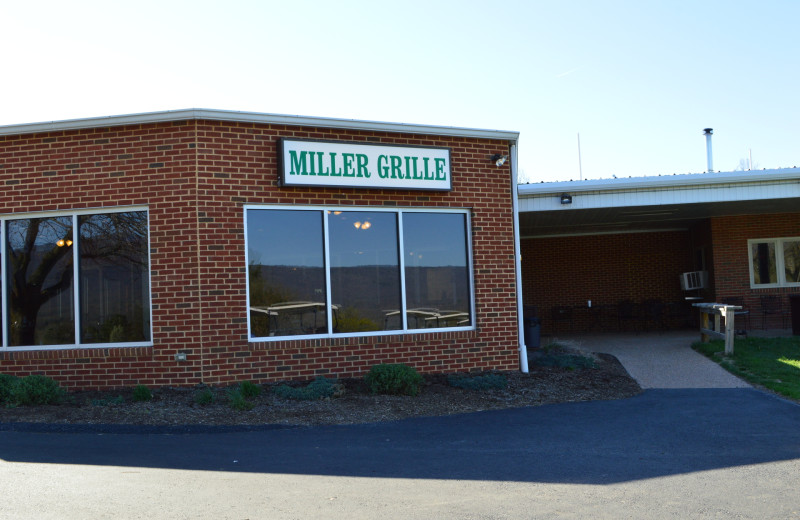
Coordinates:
column 666, row 181
column 253, row 117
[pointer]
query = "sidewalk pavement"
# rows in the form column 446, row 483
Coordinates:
column 664, row 360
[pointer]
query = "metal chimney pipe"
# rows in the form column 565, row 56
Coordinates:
column 708, row 132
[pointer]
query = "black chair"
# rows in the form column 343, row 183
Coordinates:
column 560, row 314
column 679, row 314
column 653, row 313
column 628, row 312
column 772, row 305
column 595, row 315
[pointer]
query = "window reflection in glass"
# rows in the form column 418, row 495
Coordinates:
column 436, row 274
column 113, row 267
column 764, row 266
column 365, row 274
column 791, row 260
column 286, row 273
column 40, row 281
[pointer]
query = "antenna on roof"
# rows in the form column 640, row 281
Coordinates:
column 580, row 166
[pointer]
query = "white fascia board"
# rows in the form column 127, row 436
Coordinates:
column 691, row 180
column 740, row 192
column 253, row 117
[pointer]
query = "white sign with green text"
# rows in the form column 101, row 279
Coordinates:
column 346, row 165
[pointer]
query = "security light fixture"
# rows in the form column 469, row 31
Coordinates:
column 566, row 198
column 499, row 160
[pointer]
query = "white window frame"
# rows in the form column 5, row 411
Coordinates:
column 326, row 210
column 779, row 262
column 76, row 293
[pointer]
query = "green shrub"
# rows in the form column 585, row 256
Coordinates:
column 394, row 379
column 7, row 383
column 142, row 393
column 478, row 382
column 569, row 361
column 554, row 346
column 320, row 388
column 109, row 401
column 204, row 397
column 36, row 390
column 249, row 389
column 238, row 401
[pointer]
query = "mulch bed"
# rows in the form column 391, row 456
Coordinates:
column 177, row 407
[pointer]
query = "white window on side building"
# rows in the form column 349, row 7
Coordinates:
column 774, row 262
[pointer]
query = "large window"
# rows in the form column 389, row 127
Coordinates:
column 95, row 262
column 437, row 277
column 114, row 275
column 774, row 262
column 317, row 272
column 364, row 273
column 286, row 273
column 39, row 279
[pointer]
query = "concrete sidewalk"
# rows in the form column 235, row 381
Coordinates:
column 663, row 360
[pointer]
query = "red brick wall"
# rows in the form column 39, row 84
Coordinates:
column 568, row 271
column 731, row 262
column 701, row 241
column 195, row 178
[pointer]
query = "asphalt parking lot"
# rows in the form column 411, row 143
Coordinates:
column 668, row 453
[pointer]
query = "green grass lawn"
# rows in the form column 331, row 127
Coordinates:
column 773, row 363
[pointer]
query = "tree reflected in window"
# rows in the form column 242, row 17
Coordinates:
column 775, row 262
column 764, row 265
column 791, row 261
column 115, row 290
column 113, row 279
column 40, row 267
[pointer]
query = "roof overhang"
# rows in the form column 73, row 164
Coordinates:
column 654, row 203
column 253, row 117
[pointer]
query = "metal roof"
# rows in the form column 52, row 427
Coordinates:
column 654, row 203
column 253, row 117
column 660, row 181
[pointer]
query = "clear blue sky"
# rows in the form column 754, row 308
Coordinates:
column 639, row 80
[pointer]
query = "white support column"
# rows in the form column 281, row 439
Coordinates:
column 730, row 328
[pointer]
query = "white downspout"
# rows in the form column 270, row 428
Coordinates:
column 523, row 350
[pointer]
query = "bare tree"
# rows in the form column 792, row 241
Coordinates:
column 41, row 258
column 36, row 248
column 744, row 165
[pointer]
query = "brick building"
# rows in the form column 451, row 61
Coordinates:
column 201, row 246
column 626, row 244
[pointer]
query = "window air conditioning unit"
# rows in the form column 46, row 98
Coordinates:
column 694, row 280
